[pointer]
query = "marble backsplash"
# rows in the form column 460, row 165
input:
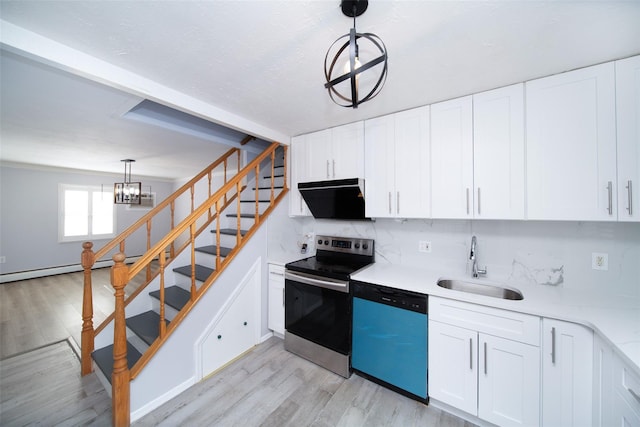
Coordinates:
column 546, row 253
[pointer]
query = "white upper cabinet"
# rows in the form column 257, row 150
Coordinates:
column 571, row 145
column 335, row 153
column 298, row 150
column 498, row 153
column 397, row 165
column 628, row 127
column 452, row 158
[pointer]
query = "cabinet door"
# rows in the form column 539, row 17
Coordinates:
column 508, row 382
column 602, row 383
column 412, row 195
column 498, row 153
column 276, row 299
column 453, row 370
column 567, row 374
column 297, row 206
column 571, row 145
column 347, row 151
column 452, row 159
column 379, row 167
column 318, row 159
column 628, row 128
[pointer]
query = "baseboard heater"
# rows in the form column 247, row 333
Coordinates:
column 52, row 271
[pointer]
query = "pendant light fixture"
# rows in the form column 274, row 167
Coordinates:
column 350, row 85
column 127, row 192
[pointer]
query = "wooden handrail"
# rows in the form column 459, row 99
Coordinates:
column 122, row 274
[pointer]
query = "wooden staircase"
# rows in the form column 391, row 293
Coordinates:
column 208, row 239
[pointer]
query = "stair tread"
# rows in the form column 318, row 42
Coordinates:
column 230, row 231
column 202, row 272
column 145, row 325
column 276, row 187
column 211, row 250
column 104, row 358
column 253, row 201
column 174, row 296
column 241, row 215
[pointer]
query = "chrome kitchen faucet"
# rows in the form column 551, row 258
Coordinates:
column 475, row 272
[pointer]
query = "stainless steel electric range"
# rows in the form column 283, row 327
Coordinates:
column 318, row 302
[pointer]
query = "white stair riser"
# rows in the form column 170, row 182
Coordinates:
column 136, row 341
column 169, row 312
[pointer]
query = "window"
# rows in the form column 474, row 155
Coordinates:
column 85, row 213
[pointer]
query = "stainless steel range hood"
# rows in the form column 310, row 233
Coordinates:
column 336, row 199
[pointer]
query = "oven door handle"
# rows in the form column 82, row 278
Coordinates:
column 322, row 282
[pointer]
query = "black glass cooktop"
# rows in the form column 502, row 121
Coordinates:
column 327, row 267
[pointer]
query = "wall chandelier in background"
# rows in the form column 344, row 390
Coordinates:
column 360, row 53
column 127, row 192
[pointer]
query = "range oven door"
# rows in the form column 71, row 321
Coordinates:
column 318, row 309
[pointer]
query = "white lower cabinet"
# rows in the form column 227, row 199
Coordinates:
column 602, row 383
column 276, row 298
column 567, row 374
column 471, row 368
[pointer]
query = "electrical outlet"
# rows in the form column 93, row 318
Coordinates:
column 424, row 246
column 600, row 261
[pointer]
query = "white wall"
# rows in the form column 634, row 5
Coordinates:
column 29, row 217
column 547, row 253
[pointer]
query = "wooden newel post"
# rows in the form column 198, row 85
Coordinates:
column 87, row 336
column 120, row 376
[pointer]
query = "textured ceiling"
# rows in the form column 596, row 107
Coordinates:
column 263, row 60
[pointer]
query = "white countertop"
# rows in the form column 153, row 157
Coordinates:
column 616, row 319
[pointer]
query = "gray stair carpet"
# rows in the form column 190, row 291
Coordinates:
column 104, row 358
column 202, row 272
column 230, row 231
column 145, row 325
column 174, row 296
column 241, row 216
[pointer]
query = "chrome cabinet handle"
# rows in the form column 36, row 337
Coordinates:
column 398, row 202
column 275, row 273
column 328, row 169
column 283, row 297
column 485, row 358
column 471, row 354
column 478, row 200
column 553, row 346
column 630, row 197
column 389, row 202
column 467, row 201
column 334, row 168
column 610, row 191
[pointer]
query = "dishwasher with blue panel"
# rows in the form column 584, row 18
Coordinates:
column 389, row 341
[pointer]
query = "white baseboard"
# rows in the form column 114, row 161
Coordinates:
column 155, row 403
column 52, row 271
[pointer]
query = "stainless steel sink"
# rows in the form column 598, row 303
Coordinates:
column 481, row 289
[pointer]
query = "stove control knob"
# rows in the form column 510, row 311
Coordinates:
column 326, row 242
column 357, row 245
column 319, row 241
column 365, row 246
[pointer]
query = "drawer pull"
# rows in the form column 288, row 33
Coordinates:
column 629, row 188
column 467, row 191
column 485, row 358
column 610, row 192
column 553, row 346
column 634, row 394
column 471, row 354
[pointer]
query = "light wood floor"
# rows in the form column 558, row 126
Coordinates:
column 267, row 387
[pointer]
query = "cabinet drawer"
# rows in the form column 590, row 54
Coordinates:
column 276, row 270
column 627, row 383
column 493, row 321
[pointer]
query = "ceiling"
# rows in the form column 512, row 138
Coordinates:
column 263, row 61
